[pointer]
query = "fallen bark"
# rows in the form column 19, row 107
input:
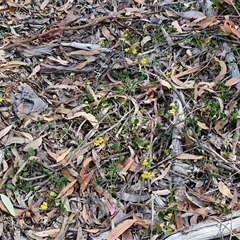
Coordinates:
column 210, row 229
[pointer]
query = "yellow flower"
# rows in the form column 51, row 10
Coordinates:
column 44, row 206
column 197, row 31
column 168, row 73
column 172, row 111
column 125, row 34
column 143, row 61
column 206, row 40
column 99, row 141
column 170, row 215
column 146, row 162
column 135, row 61
column 140, row 54
column 126, row 49
column 134, row 51
column 72, row 74
column 146, row 175
column 168, row 56
column 168, row 86
column 1, row 99
column 148, row 146
column 145, row 26
column 100, row 43
column 52, row 194
column 172, row 104
column 140, row 146
column 86, row 102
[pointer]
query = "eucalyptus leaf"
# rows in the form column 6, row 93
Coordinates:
column 8, row 204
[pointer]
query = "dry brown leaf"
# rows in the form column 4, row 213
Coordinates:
column 189, row 71
column 177, row 26
column 44, row 4
column 231, row 82
column 58, row 60
column 187, row 156
column 25, row 135
column 201, row 211
column 227, row 26
column 234, row 201
column 18, row 212
column 81, row 65
column 14, row 180
column 5, row 131
column 145, row 40
column 188, row 141
column 88, row 116
column 53, row 155
column 193, row 219
column 202, row 125
column 11, row 3
column 66, row 188
column 164, row 173
column 34, row 144
column 140, row 221
column 164, row 83
column 200, row 88
column 5, row 167
column 127, row 235
column 236, row 32
column 219, row 125
column 120, row 228
column 135, row 45
column 85, row 180
column 140, row 1
column 129, row 162
column 65, row 6
column 182, row 85
column 128, row 61
column 110, row 207
column 84, row 166
column 135, row 167
column 85, row 214
column 47, row 233
column 224, row 190
column 34, row 71
column 66, row 173
column 163, row 192
column 207, row 21
column 171, row 14
column 63, row 155
column 71, row 17
column 94, row 230
column 223, row 70
column 155, row 237
column 106, row 33
column 84, row 53
column 179, row 221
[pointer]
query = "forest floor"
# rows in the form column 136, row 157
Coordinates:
column 119, row 119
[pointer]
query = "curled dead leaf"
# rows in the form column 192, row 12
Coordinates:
column 120, row 228
column 223, row 70
column 202, row 125
column 224, row 190
column 231, row 82
column 187, row 156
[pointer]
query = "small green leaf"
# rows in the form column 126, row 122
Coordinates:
column 114, row 146
column 8, row 204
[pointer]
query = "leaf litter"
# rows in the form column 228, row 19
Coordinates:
column 119, row 120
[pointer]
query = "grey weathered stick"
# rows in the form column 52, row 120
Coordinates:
column 210, row 229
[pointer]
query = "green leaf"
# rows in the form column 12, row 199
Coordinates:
column 8, row 204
